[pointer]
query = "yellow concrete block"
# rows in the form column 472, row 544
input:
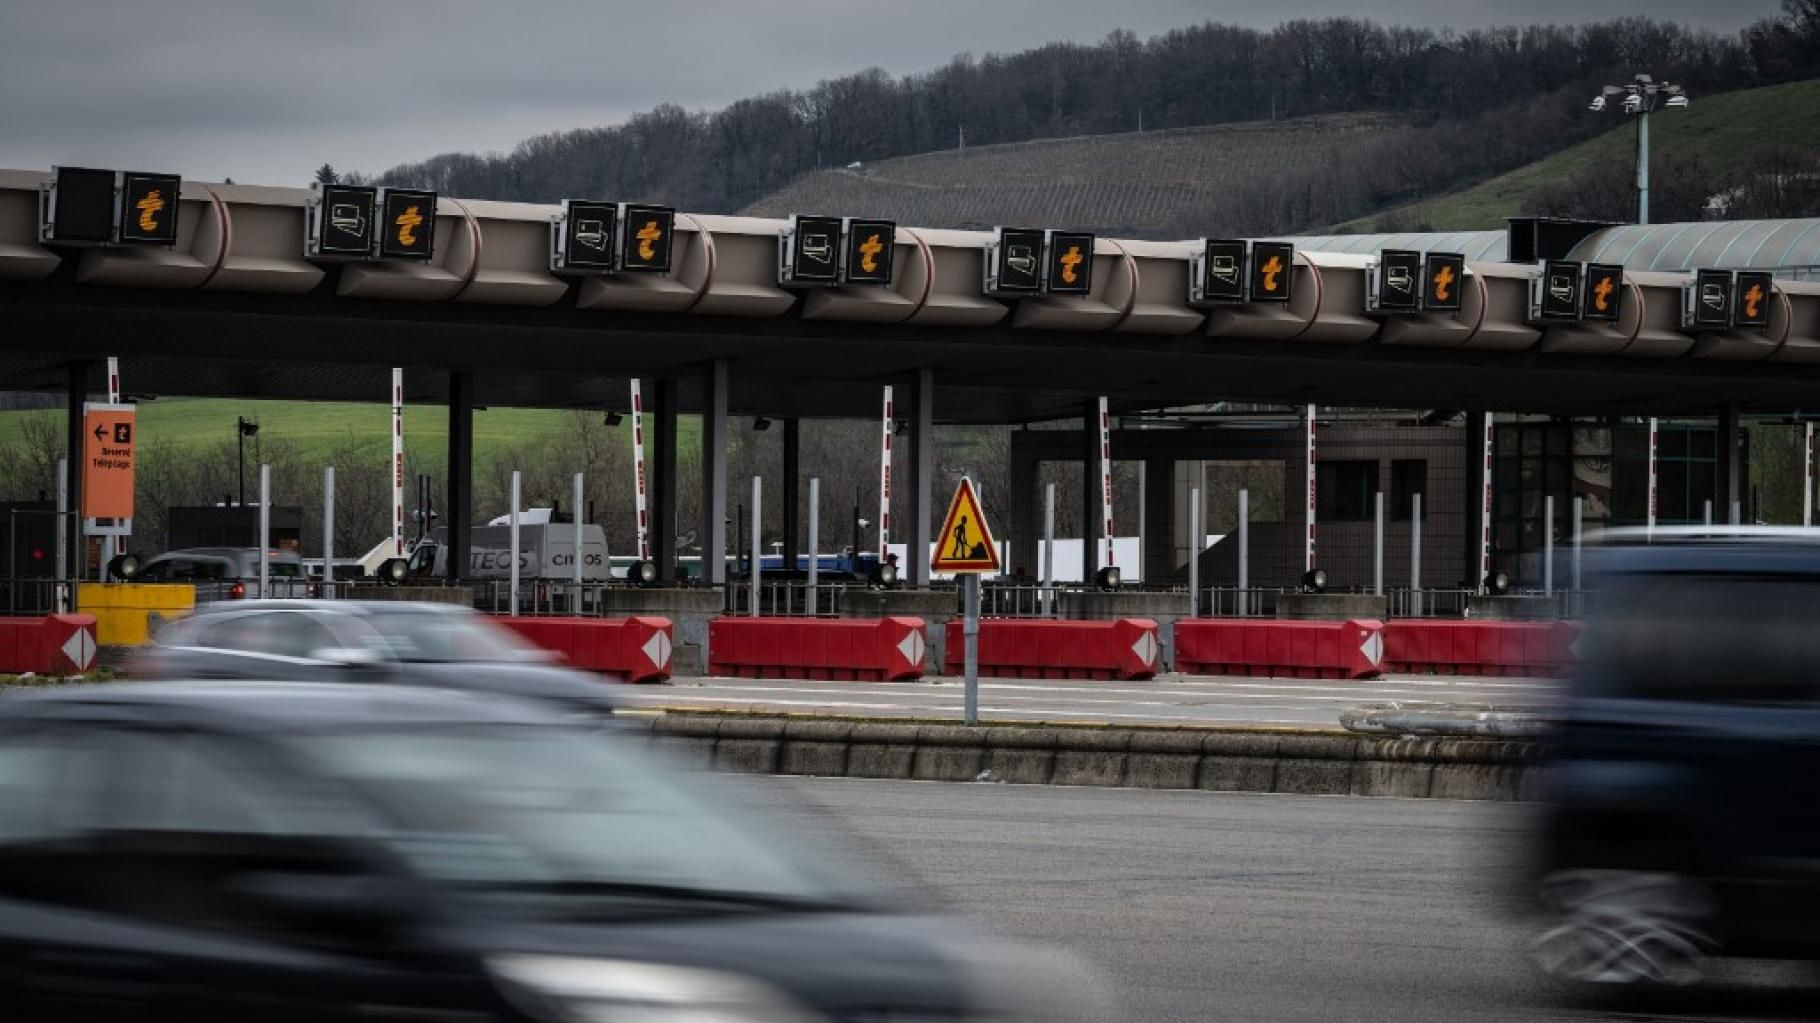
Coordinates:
column 123, row 610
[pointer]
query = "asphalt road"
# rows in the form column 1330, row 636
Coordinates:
column 1178, row 700
column 1209, row 906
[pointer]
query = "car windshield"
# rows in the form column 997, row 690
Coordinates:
column 544, row 809
column 447, row 638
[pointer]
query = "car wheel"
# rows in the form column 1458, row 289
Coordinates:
column 1614, row 928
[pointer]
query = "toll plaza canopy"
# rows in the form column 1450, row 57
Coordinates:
column 234, row 307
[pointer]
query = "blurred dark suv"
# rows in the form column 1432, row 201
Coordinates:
column 1679, row 822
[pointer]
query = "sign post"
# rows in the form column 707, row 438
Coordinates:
column 109, row 443
column 1106, row 481
column 398, row 468
column 1650, row 512
column 639, row 501
column 1485, row 469
column 1308, row 541
column 965, row 546
column 884, row 483
column 1807, row 477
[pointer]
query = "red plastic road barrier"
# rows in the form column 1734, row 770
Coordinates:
column 629, row 649
column 1452, row 647
column 1126, row 648
column 1279, row 649
column 848, row 649
column 48, row 645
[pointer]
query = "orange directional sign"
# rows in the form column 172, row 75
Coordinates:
column 1751, row 308
column 107, row 461
column 965, row 542
column 1070, row 263
column 1272, row 266
column 1604, row 292
column 407, row 224
column 1445, row 275
column 148, row 208
column 870, row 245
column 648, row 230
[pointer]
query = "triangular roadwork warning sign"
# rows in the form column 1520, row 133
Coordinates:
column 965, row 542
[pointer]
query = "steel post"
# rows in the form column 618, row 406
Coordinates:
column 265, row 531
column 1194, row 552
column 512, row 518
column 815, row 529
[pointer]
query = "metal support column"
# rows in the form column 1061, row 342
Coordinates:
column 1194, row 552
column 792, row 492
column 1377, row 544
column 460, row 474
column 328, row 531
column 1090, row 491
column 714, row 442
column 1731, row 482
column 1415, row 554
column 922, row 476
column 1049, row 549
column 815, row 529
column 663, row 479
column 77, row 395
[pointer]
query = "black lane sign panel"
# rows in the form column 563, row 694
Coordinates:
column 1712, row 299
column 148, row 208
column 1399, row 280
column 648, row 231
column 1020, row 260
column 589, row 228
column 83, row 205
column 815, row 250
column 1070, row 263
column 1751, row 304
column 1271, row 266
column 1560, row 299
column 1604, row 292
column 409, row 224
column 1443, row 277
column 346, row 217
column 870, row 246
column 1223, row 270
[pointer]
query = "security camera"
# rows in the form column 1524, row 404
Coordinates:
column 1633, row 103
column 1597, row 104
column 1679, row 102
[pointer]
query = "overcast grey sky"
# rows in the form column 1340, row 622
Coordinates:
column 265, row 90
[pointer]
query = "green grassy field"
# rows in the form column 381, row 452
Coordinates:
column 1725, row 131
column 313, row 429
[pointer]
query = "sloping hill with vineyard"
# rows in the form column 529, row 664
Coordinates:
column 1160, row 184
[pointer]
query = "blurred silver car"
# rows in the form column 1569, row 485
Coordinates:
column 227, row 573
column 399, row 642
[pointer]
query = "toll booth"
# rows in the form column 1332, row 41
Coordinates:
column 233, row 526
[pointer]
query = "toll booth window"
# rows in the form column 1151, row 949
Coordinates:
column 1408, row 477
column 1345, row 490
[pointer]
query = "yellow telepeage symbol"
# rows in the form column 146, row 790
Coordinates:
column 1602, row 294
column 1270, row 270
column 1443, row 283
column 1070, row 260
column 646, row 236
column 1751, row 299
column 148, row 208
column 868, row 254
column 407, row 225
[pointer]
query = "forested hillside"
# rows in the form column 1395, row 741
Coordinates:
column 1478, row 103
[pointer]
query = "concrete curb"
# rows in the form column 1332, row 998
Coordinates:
column 1302, row 762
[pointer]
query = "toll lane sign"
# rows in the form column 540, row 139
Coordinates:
column 408, row 224
column 1709, row 300
column 1272, row 264
column 645, row 247
column 1397, row 280
column 1604, row 292
column 1556, row 292
column 148, row 208
column 1444, row 273
column 1070, row 263
column 1221, row 274
column 870, row 246
column 108, row 444
column 1751, row 304
column 965, row 542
